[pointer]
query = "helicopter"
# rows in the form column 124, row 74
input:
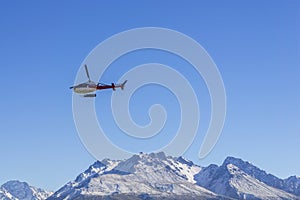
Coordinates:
column 89, row 88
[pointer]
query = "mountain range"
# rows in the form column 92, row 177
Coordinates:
column 157, row 176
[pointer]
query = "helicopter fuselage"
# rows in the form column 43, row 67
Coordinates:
column 85, row 88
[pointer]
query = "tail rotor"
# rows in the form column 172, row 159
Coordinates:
column 123, row 85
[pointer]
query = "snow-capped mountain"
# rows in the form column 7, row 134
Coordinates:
column 143, row 176
column 241, row 180
column 157, row 176
column 16, row 190
column 291, row 184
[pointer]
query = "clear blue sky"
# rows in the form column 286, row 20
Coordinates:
column 255, row 44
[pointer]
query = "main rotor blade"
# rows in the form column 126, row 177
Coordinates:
column 87, row 72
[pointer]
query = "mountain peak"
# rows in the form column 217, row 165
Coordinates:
column 18, row 190
column 130, row 165
column 159, row 155
column 99, row 167
column 242, row 180
column 235, row 161
column 14, row 184
column 151, row 174
column 185, row 161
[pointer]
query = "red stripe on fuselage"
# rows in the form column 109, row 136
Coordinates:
column 101, row 87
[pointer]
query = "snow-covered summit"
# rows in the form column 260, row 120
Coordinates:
column 143, row 174
column 17, row 190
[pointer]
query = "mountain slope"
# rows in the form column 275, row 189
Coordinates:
column 152, row 176
column 291, row 184
column 242, row 180
column 16, row 190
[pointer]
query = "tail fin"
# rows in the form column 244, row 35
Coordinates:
column 123, row 84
